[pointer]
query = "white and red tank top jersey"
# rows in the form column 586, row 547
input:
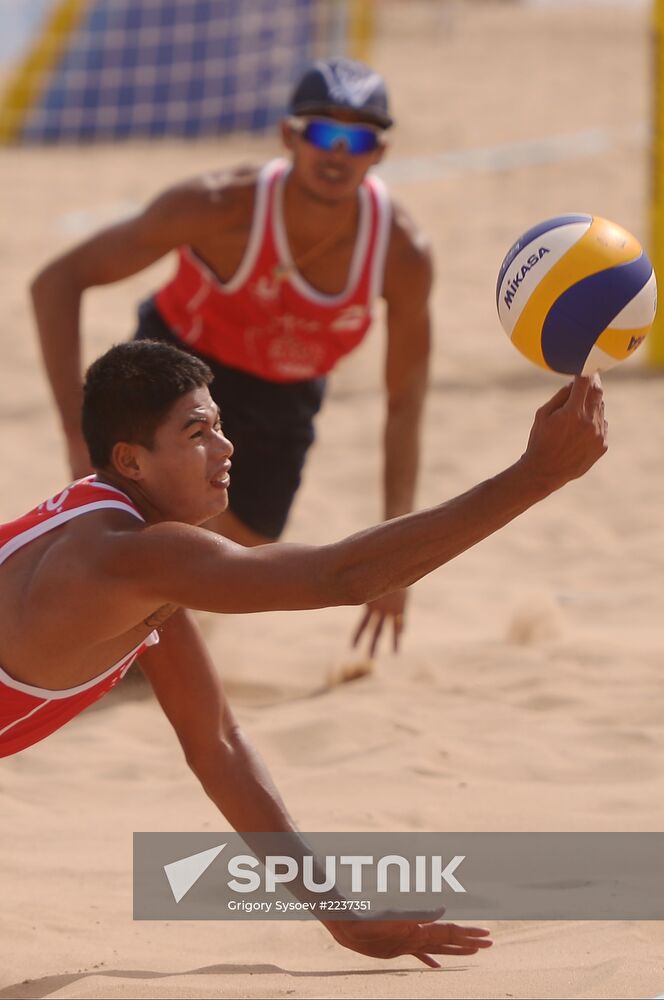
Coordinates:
column 266, row 319
column 27, row 713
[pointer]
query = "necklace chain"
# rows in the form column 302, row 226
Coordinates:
column 282, row 271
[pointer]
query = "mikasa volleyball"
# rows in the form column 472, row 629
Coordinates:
column 576, row 294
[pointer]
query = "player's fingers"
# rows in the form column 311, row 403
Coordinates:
column 376, row 635
column 474, row 932
column 427, row 960
column 452, row 939
column 595, row 397
column 579, row 391
column 597, row 412
column 361, row 627
column 397, row 629
column 471, row 937
column 475, row 944
column 557, row 400
column 457, row 949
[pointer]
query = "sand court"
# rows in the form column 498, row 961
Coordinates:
column 528, row 693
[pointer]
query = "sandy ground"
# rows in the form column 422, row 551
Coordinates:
column 528, row 695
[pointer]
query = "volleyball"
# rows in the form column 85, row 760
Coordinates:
column 576, row 294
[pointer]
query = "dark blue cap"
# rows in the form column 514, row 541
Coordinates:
column 342, row 83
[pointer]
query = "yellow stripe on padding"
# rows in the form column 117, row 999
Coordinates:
column 620, row 343
column 361, row 28
column 26, row 84
column 602, row 246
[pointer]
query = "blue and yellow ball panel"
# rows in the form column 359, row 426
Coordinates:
column 532, row 236
column 579, row 316
column 576, row 294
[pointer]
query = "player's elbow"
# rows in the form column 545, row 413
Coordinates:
column 39, row 284
column 53, row 280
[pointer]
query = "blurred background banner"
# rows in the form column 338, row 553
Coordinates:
column 87, row 70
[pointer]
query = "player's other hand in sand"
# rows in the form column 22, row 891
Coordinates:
column 568, row 436
column 422, row 939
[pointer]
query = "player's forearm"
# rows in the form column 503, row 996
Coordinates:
column 399, row 552
column 56, row 300
column 237, row 781
column 185, row 682
column 235, row 778
column 401, row 445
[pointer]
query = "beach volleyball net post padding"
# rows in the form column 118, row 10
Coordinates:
column 101, row 70
column 655, row 341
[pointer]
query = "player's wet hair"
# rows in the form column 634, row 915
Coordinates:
column 129, row 391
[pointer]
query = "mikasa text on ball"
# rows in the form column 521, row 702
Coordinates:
column 576, row 294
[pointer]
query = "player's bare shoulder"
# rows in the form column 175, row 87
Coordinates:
column 409, row 260
column 92, row 541
column 228, row 192
column 216, row 201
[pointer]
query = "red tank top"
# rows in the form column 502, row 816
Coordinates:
column 267, row 320
column 27, row 713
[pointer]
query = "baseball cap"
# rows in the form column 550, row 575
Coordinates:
column 342, row 83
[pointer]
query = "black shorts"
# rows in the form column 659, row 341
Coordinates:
column 270, row 425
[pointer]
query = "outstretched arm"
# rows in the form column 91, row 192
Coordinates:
column 171, row 563
column 188, row 688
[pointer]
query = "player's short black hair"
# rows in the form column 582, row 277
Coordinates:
column 130, row 390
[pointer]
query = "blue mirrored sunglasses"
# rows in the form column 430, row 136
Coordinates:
column 328, row 135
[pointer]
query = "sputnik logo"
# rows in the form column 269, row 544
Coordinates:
column 185, row 873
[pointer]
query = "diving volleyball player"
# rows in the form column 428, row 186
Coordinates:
column 103, row 573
